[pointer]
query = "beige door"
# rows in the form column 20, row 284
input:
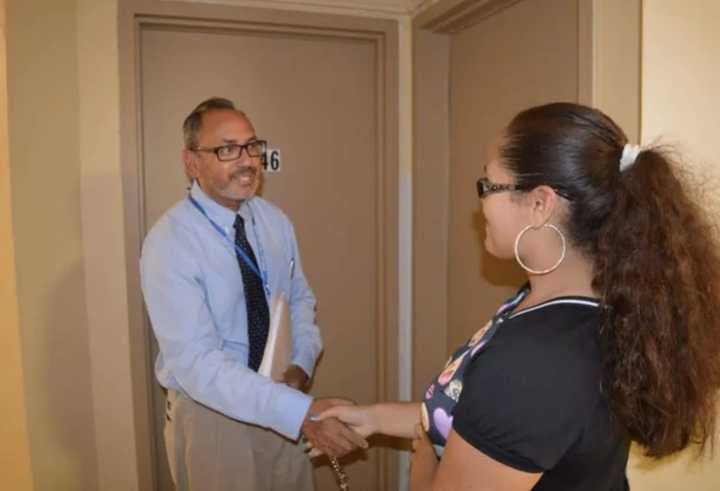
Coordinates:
column 320, row 99
column 502, row 56
column 494, row 75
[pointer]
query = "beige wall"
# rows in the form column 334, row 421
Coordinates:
column 525, row 55
column 680, row 79
column 45, row 172
column 615, row 62
column 14, row 452
column 430, row 205
column 69, row 238
column 121, row 450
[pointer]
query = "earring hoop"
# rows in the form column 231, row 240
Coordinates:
column 541, row 271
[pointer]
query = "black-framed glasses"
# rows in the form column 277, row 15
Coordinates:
column 485, row 187
column 233, row 151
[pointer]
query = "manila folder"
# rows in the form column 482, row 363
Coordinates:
column 278, row 349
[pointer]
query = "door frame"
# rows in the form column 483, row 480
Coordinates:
column 133, row 15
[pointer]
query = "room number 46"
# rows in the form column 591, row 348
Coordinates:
column 272, row 161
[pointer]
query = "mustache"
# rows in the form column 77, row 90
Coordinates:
column 244, row 171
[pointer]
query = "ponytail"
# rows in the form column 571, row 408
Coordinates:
column 657, row 266
column 656, row 263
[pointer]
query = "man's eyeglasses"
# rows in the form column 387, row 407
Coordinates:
column 233, row 151
column 485, row 188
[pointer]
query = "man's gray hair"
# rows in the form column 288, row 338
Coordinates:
column 193, row 123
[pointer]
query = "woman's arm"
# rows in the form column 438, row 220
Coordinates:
column 397, row 419
column 463, row 467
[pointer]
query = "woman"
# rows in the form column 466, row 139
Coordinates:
column 613, row 339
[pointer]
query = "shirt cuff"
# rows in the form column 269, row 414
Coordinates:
column 292, row 407
column 305, row 360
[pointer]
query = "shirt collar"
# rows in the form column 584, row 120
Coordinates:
column 221, row 215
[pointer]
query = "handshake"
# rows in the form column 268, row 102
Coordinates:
column 336, row 427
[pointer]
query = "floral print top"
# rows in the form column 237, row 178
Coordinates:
column 443, row 394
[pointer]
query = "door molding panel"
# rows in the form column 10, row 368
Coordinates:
column 134, row 17
column 452, row 16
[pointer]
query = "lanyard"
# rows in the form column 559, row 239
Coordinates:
column 261, row 274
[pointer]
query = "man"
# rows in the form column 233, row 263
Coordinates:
column 209, row 268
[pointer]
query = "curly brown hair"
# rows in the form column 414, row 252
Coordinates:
column 656, row 265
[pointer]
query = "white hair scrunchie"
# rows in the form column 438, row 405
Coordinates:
column 629, row 155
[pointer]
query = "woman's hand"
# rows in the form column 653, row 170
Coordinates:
column 322, row 404
column 362, row 419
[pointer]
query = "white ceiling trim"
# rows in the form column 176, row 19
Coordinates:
column 375, row 8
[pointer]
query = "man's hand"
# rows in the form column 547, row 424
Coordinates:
column 296, row 378
column 330, row 436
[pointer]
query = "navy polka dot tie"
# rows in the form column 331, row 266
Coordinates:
column 258, row 313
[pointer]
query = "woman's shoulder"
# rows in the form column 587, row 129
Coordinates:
column 537, row 383
column 565, row 324
column 554, row 346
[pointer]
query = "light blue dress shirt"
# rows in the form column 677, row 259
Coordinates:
column 194, row 294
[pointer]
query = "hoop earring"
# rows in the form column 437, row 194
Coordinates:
column 543, row 271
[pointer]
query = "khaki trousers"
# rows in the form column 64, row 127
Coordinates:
column 208, row 451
